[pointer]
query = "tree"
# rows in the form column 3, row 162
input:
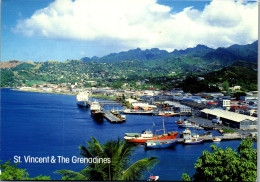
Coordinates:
column 227, row 165
column 119, row 168
column 11, row 172
column 225, row 85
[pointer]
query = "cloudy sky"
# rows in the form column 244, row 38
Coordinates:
column 41, row 30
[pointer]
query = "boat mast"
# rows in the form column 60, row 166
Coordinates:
column 154, row 129
column 163, row 127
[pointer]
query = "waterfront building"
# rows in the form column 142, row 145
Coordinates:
column 231, row 119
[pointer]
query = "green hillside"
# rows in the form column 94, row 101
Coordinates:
column 154, row 68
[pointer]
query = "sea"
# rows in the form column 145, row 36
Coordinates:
column 51, row 125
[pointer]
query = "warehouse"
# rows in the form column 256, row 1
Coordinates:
column 231, row 119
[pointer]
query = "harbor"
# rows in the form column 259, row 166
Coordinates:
column 61, row 130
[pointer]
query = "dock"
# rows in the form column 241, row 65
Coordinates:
column 223, row 138
column 111, row 118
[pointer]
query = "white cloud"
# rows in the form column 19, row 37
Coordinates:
column 145, row 23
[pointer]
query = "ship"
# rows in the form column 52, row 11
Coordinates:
column 149, row 135
column 82, row 99
column 167, row 113
column 96, row 110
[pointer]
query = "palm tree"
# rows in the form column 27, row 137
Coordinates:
column 119, row 168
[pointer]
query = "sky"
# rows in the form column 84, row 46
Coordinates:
column 43, row 30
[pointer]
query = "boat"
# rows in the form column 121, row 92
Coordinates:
column 118, row 115
column 153, row 178
column 216, row 139
column 186, row 134
column 189, row 138
column 197, row 127
column 157, row 144
column 131, row 111
column 96, row 110
column 186, row 124
column 192, row 141
column 167, row 113
column 149, row 135
column 82, row 99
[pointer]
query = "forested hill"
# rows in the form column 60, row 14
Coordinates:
column 159, row 67
column 220, row 55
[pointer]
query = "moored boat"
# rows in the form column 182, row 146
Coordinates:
column 192, row 141
column 149, row 135
column 157, row 144
column 96, row 110
column 131, row 111
column 186, row 124
column 82, row 99
column 153, row 178
column 216, row 139
column 166, row 113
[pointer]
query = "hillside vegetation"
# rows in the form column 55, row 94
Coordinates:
column 144, row 69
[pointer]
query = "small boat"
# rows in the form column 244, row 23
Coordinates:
column 166, row 113
column 186, row 124
column 143, row 112
column 153, row 178
column 157, row 144
column 198, row 127
column 192, row 141
column 216, row 139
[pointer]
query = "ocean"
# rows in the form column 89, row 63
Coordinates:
column 42, row 125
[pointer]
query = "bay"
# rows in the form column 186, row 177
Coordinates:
column 40, row 125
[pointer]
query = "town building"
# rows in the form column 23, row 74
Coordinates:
column 231, row 119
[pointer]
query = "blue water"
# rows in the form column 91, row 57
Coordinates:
column 40, row 124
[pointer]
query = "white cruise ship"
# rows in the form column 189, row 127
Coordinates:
column 82, row 99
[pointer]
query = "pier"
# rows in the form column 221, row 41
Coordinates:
column 223, row 138
column 111, row 118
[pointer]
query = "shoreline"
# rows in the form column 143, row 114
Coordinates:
column 97, row 96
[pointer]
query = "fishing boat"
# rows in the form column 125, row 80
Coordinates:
column 157, row 144
column 216, row 139
column 186, row 134
column 149, row 135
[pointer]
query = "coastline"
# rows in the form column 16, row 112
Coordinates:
column 97, row 96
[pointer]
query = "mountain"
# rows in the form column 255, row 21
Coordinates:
column 222, row 56
column 196, row 51
column 133, row 66
column 11, row 64
column 134, row 54
column 227, row 56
